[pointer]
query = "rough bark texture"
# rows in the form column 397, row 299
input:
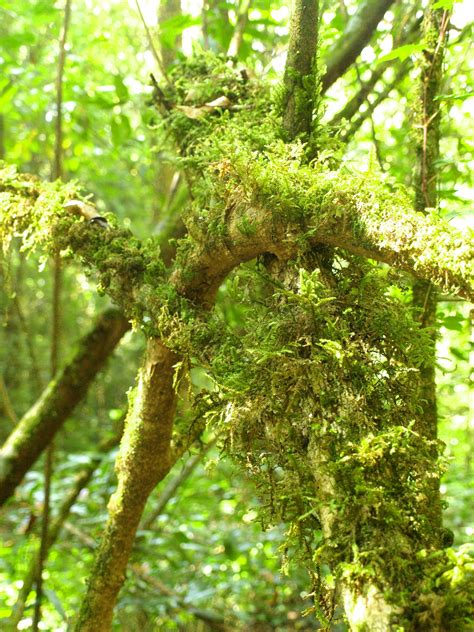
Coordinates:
column 288, row 206
column 39, row 425
column 356, row 35
column 427, row 126
column 271, row 202
column 143, row 461
column 300, row 71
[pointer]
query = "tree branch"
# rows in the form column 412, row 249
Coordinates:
column 285, row 206
column 366, row 87
column 173, row 485
column 6, row 402
column 213, row 619
column 300, row 71
column 81, row 481
column 144, row 460
column 357, row 121
column 242, row 19
column 39, row 425
column 426, row 127
column 356, row 36
column 289, row 206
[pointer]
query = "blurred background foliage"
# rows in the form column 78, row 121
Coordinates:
column 206, row 546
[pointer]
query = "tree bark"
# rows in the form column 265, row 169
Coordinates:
column 143, row 461
column 40, row 424
column 427, row 134
column 349, row 212
column 300, row 72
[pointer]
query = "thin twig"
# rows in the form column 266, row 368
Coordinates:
column 56, row 319
column 176, row 482
column 81, row 481
column 153, row 49
column 357, row 122
column 351, row 108
column 356, row 35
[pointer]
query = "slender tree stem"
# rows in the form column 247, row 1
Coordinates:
column 427, row 125
column 57, row 172
column 358, row 121
column 300, row 71
column 38, row 425
column 143, row 461
column 357, row 34
column 176, row 482
column 6, row 402
column 156, row 55
column 81, row 481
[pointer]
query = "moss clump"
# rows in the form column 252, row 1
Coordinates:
column 321, row 384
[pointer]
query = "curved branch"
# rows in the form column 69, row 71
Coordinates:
column 356, row 213
column 278, row 206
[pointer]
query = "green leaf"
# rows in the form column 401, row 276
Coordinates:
column 15, row 40
column 173, row 27
column 454, row 323
column 121, row 88
column 455, row 96
column 121, row 129
column 402, row 52
column 7, row 96
column 447, row 5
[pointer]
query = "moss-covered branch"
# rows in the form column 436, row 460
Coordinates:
column 276, row 204
column 39, row 425
column 144, row 460
column 300, row 71
column 426, row 130
column 50, row 216
column 322, row 382
column 272, row 203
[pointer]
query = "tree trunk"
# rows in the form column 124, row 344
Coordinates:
column 143, row 461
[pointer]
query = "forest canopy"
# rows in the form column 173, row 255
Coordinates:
column 237, row 260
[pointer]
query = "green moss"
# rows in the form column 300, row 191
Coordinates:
column 319, row 379
column 332, row 371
